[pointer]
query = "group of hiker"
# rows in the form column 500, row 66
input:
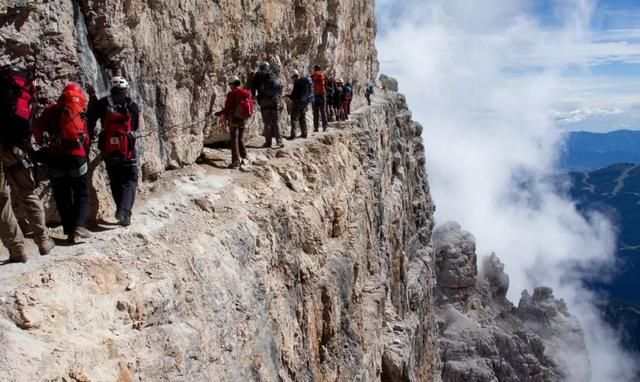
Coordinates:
column 330, row 99
column 61, row 138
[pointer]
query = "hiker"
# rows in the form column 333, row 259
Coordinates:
column 368, row 92
column 238, row 108
column 338, row 99
column 119, row 119
column 331, row 84
column 266, row 88
column 300, row 99
column 347, row 91
column 61, row 131
column 18, row 96
column 320, row 99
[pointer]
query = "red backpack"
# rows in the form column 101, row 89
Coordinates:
column 18, row 96
column 319, row 86
column 244, row 109
column 72, row 125
column 117, row 127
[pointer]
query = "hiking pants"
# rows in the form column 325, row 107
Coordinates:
column 123, row 179
column 10, row 234
column 368, row 98
column 70, row 187
column 272, row 129
column 26, row 203
column 319, row 111
column 299, row 117
column 236, row 130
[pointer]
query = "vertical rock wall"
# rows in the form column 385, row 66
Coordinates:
column 178, row 54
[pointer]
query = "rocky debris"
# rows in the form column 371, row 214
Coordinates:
column 323, row 274
column 388, row 83
column 484, row 337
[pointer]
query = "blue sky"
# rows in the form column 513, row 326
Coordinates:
column 599, row 70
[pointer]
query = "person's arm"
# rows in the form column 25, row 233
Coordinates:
column 134, row 109
column 95, row 111
column 255, row 84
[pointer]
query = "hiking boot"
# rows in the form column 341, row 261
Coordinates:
column 303, row 136
column 234, row 164
column 17, row 255
column 124, row 221
column 315, row 130
column 45, row 247
column 78, row 233
column 279, row 143
column 290, row 138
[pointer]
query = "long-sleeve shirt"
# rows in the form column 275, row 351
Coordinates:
column 98, row 110
column 300, row 90
column 233, row 101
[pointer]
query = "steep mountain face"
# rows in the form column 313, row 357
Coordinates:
column 484, row 337
column 615, row 191
column 316, row 264
column 178, row 54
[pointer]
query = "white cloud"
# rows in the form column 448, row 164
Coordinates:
column 488, row 130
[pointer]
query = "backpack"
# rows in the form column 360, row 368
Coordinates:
column 117, row 127
column 18, row 96
column 72, row 118
column 309, row 94
column 319, row 83
column 370, row 89
column 270, row 86
column 244, row 109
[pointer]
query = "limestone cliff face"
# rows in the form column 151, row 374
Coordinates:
column 483, row 337
column 178, row 54
column 315, row 264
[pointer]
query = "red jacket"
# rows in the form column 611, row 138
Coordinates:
column 234, row 99
column 45, row 122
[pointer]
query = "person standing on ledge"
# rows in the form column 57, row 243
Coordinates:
column 119, row 118
column 300, row 99
column 17, row 99
column 320, row 99
column 266, row 88
column 238, row 107
column 62, row 133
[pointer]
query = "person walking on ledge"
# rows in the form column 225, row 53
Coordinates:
column 266, row 88
column 119, row 118
column 238, row 108
column 299, row 98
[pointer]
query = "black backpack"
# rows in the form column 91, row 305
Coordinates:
column 18, row 96
column 270, row 85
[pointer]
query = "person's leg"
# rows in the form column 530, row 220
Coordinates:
column 63, row 196
column 115, row 183
column 294, row 122
column 241, row 147
column 130, row 185
column 235, row 155
column 267, row 127
column 302, row 121
column 316, row 112
column 80, row 206
column 10, row 233
column 21, row 181
column 323, row 112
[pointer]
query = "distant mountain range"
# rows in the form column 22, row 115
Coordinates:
column 586, row 151
column 615, row 191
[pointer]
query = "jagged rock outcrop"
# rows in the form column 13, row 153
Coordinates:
column 484, row 337
column 314, row 264
column 178, row 54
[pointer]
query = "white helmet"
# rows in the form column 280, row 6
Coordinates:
column 233, row 80
column 295, row 73
column 119, row 82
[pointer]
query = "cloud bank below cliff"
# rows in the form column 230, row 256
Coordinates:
column 484, row 81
